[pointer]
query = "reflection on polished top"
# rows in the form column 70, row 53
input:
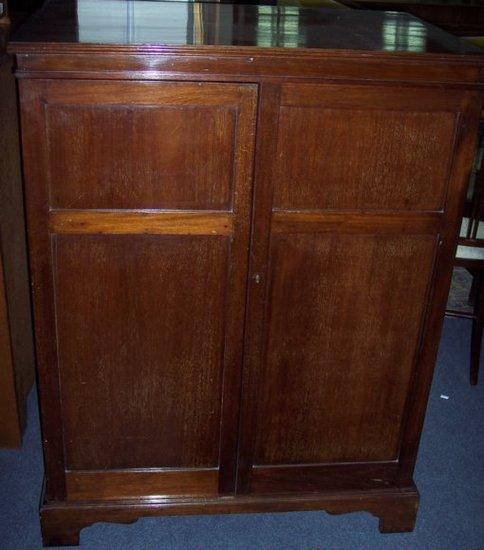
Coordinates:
column 136, row 22
column 441, row 3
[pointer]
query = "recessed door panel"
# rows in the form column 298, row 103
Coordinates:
column 355, row 150
column 344, row 318
column 142, row 385
column 142, row 156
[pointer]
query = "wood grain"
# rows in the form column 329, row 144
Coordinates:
column 341, row 345
column 465, row 147
column 85, row 222
column 357, row 147
column 173, row 148
column 282, row 362
column 284, row 221
column 396, row 509
column 113, row 485
column 146, row 391
column 173, row 267
column 348, row 97
column 365, row 255
column 244, row 64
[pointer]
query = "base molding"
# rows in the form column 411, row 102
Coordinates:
column 62, row 522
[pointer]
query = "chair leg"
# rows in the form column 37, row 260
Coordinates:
column 471, row 300
column 477, row 329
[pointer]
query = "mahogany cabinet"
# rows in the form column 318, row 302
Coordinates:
column 240, row 251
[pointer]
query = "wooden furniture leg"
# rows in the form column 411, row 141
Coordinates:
column 56, row 534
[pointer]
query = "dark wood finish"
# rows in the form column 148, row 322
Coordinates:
column 4, row 34
column 245, row 64
column 336, row 331
column 465, row 146
column 181, row 284
column 396, row 510
column 167, row 397
column 314, row 478
column 311, row 396
column 16, row 347
column 118, row 484
column 460, row 17
column 262, row 27
column 106, row 154
column 404, row 140
column 350, row 222
column 11, row 421
column 221, row 286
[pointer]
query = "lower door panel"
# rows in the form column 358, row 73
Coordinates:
column 343, row 322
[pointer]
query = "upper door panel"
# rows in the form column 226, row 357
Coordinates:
column 136, row 145
column 358, row 149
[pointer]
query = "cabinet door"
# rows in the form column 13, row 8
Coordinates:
column 357, row 193
column 138, row 199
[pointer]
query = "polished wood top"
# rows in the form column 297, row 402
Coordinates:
column 440, row 3
column 459, row 17
column 135, row 23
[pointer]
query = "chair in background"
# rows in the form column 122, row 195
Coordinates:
column 470, row 255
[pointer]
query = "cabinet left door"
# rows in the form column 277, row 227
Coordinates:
column 138, row 203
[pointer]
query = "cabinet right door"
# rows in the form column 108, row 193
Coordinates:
column 356, row 211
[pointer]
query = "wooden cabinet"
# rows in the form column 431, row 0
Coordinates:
column 240, row 258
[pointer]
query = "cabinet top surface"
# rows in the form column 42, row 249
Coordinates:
column 464, row 4
column 153, row 25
